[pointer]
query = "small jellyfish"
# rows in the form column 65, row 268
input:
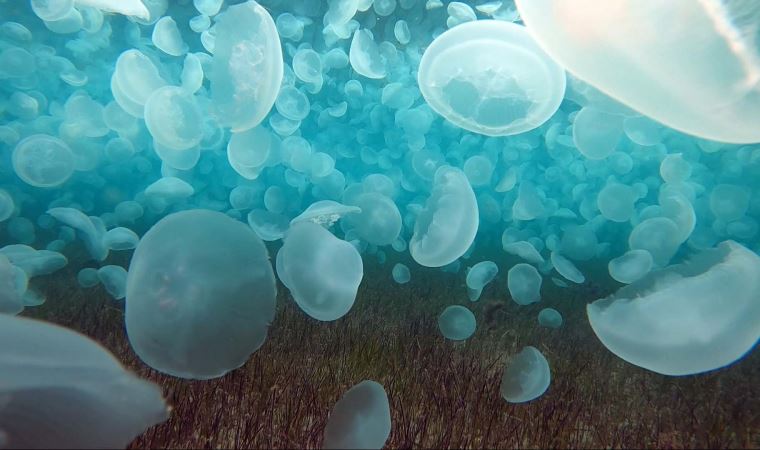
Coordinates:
column 457, row 323
column 61, row 389
column 447, row 225
column 729, row 202
column 687, row 318
column 167, row 38
column 526, row 377
column 566, row 268
column 379, row 221
column 247, row 66
column 401, row 274
column 365, row 56
column 361, row 419
column 325, row 212
column 249, row 151
column 322, row 272
column 616, row 201
column 524, row 250
column 596, row 133
column 659, row 236
column 200, row 295
column 478, row 277
column 7, row 206
column 579, row 243
column 43, row 161
column 550, row 318
column 268, row 225
column 170, row 188
column 91, row 229
column 88, row 277
column 134, row 8
column 114, row 279
column 307, row 66
column 120, row 238
column 490, row 77
column 174, row 118
column 630, row 266
column 524, row 284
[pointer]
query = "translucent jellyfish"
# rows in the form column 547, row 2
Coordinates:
column 208, row 7
column 478, row 277
column 62, row 390
column 307, row 65
column 249, row 151
column 524, row 250
column 526, row 377
column 11, row 301
column 529, row 204
column 269, row 226
column 365, row 56
column 322, row 272
column 630, row 266
column 490, row 77
column 674, row 168
column 133, row 82
column 729, row 202
column 446, row 226
column 596, row 133
column 687, row 318
column 401, row 274
column 200, row 295
column 659, row 236
column 379, row 221
column 699, row 78
column 616, row 201
column 174, row 118
column 167, row 38
column 34, row 262
column 91, row 231
column 566, row 268
column 524, row 284
column 325, row 212
column 43, row 161
column 121, row 238
column 361, row 419
column 135, row 8
column 292, row 104
column 550, row 318
column 401, row 32
column 88, row 277
column 7, row 206
column 129, row 211
column 248, row 66
column 52, row 10
column 114, row 279
column 170, row 188
column 457, row 323
column 478, row 169
column 579, row 243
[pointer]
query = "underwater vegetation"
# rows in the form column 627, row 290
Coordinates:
column 218, row 166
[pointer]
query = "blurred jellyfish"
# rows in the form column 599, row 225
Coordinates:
column 361, row 419
column 526, row 377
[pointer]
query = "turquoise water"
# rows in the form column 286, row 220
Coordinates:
column 221, row 146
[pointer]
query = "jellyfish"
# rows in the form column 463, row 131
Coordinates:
column 135, row 8
column 167, row 38
column 43, row 161
column 699, row 78
column 174, row 118
column 200, row 295
column 659, row 236
column 91, row 229
column 322, row 272
column 630, row 266
column 566, row 268
column 616, row 201
column 361, row 419
column 120, row 238
column 687, row 318
column 61, row 389
column 478, row 277
column 114, row 279
column 88, row 277
column 325, row 212
column 490, row 77
column 524, row 284
column 365, row 56
column 11, row 301
column 457, row 323
column 446, row 226
column 526, row 377
column 379, row 221
column 7, row 205
column 247, row 66
column 269, row 226
column 550, row 318
column 401, row 274
column 524, row 250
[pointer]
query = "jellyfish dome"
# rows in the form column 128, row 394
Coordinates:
column 361, row 419
column 200, row 295
column 700, row 77
column 490, row 77
column 322, row 272
column 456, row 323
column 526, row 377
column 43, row 161
column 687, row 318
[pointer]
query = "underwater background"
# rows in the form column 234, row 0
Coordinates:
column 379, row 223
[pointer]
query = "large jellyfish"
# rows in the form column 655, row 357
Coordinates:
column 200, row 295
column 526, row 377
column 490, row 77
column 700, row 77
column 60, row 389
column 322, row 272
column 361, row 419
column 247, row 67
column 446, row 226
column 687, row 318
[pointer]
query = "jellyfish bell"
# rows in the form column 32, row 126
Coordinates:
column 701, row 77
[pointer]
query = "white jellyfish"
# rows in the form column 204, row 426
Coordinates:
column 361, row 419
column 43, row 161
column 457, row 323
column 61, row 389
column 447, row 225
column 490, row 77
column 524, row 284
column 322, row 272
column 200, row 295
column 325, row 212
column 630, row 266
column 379, row 221
column 526, row 377
column 478, row 277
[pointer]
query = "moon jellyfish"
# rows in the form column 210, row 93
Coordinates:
column 457, row 323
column 134, row 8
column 478, row 277
column 322, row 272
column 90, row 229
column 365, row 56
column 88, row 277
column 361, row 419
column 687, row 318
column 114, row 279
column 247, row 66
column 379, row 221
column 200, row 295
column 490, row 77
column 401, row 274
column 10, row 299
column 596, row 133
column 630, row 266
column 43, row 161
column 729, row 202
column 61, row 389
column 700, row 77
column 269, row 226
column 524, row 250
column 524, row 284
column 120, row 238
column 550, row 318
column 659, row 236
column 174, row 118
column 616, row 202
column 446, row 226
column 566, row 268
column 7, row 205
column 325, row 212
column 526, row 377
column 167, row 37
